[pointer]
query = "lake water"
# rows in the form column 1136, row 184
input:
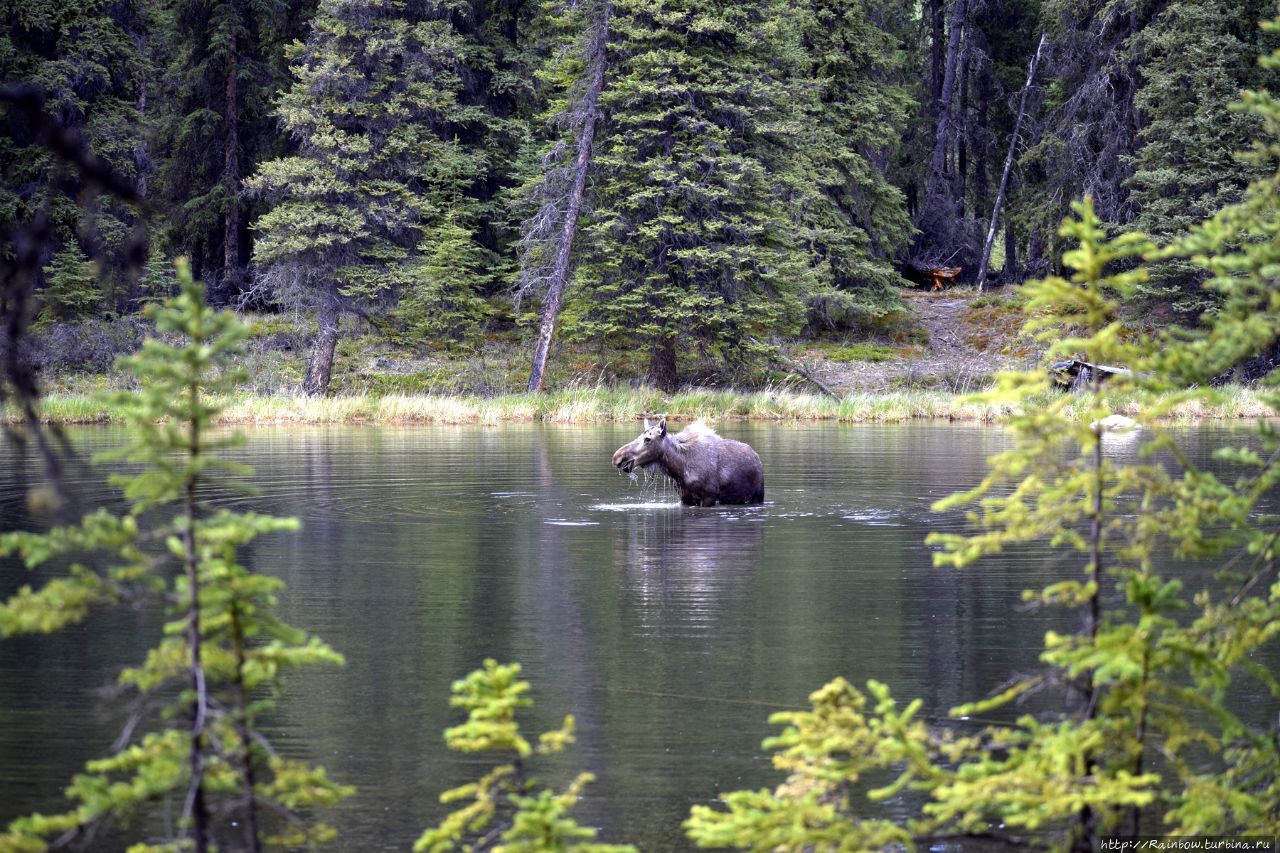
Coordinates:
column 671, row 633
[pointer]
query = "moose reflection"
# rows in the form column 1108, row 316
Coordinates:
column 706, row 468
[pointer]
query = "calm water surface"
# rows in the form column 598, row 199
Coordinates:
column 670, row 633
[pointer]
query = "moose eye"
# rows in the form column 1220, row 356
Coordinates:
column 647, row 439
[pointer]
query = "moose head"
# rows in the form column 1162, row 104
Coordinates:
column 645, row 449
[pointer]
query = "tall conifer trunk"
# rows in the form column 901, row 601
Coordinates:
column 321, row 366
column 662, row 364
column 142, row 157
column 942, row 135
column 231, row 170
column 937, row 22
column 560, row 270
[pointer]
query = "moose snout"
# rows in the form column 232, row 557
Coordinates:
column 623, row 460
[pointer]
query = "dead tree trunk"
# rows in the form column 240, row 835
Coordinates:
column 560, row 270
column 1008, row 165
column 320, row 367
column 962, row 129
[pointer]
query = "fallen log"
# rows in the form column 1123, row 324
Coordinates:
column 1075, row 374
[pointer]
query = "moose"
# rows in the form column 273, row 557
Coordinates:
column 707, row 469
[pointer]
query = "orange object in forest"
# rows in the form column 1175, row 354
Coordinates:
column 943, row 275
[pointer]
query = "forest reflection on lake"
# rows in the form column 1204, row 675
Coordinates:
column 671, row 633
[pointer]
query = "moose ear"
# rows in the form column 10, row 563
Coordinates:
column 647, row 424
column 662, row 425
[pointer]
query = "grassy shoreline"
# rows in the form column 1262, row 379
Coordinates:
column 601, row 405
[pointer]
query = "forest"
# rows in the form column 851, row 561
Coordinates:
column 678, row 187
column 675, row 191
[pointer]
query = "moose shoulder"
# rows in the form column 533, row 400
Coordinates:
column 707, row 469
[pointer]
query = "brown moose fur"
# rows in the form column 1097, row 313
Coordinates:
column 706, row 468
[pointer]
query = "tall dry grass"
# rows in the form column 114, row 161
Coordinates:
column 601, row 405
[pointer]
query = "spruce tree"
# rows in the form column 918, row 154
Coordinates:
column 193, row 749
column 1138, row 118
column 1089, row 131
column 1193, row 65
column 439, row 303
column 71, row 289
column 858, row 104
column 693, row 246
column 157, row 281
column 500, row 100
column 376, row 91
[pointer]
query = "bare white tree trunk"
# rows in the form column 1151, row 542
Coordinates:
column 1008, row 165
column 559, row 276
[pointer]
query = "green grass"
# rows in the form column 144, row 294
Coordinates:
column 603, row 405
column 992, row 302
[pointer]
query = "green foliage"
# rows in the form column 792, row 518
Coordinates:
column 71, row 289
column 376, row 168
column 87, row 60
column 1137, row 115
column 223, row 653
column 754, row 162
column 1090, row 116
column 224, row 65
column 734, row 180
column 690, row 238
column 375, row 201
column 439, row 302
column 504, row 803
column 158, row 281
column 1239, row 248
column 823, row 752
column 852, row 218
column 1194, row 64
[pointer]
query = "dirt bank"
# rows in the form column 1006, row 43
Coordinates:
column 971, row 337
